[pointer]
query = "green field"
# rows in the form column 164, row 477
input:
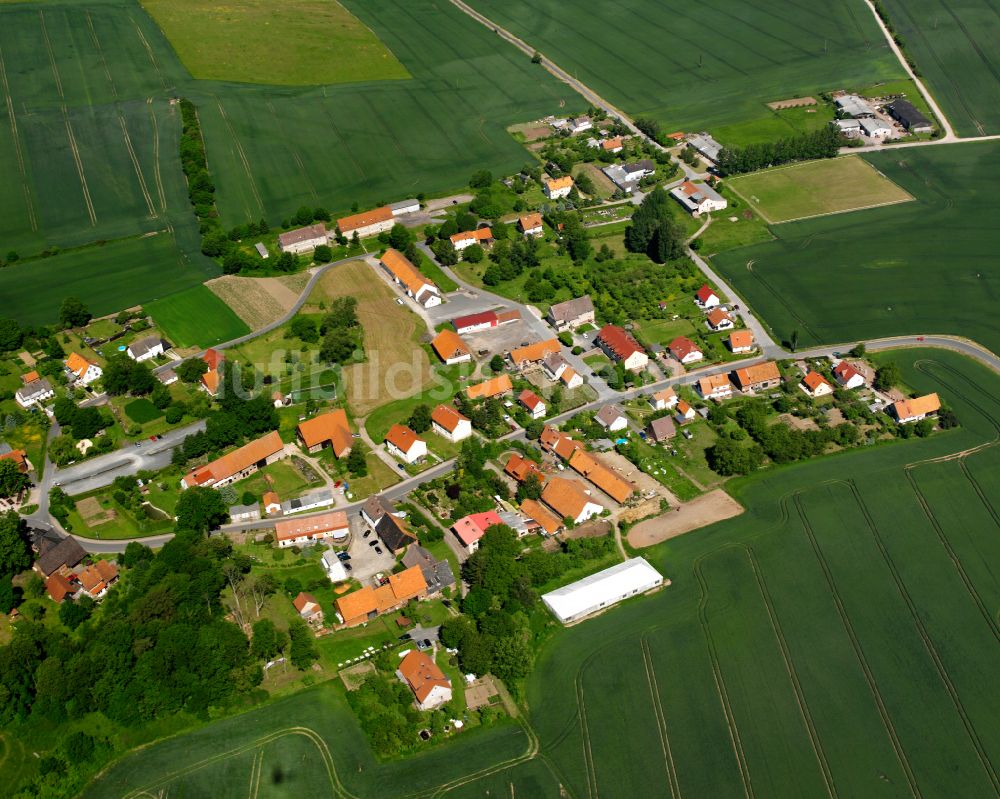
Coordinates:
column 696, row 66
column 926, row 266
column 954, row 44
column 142, row 411
column 247, row 41
column 816, row 188
column 196, row 318
column 838, row 639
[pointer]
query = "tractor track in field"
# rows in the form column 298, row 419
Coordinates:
column 157, row 177
column 149, row 52
column 241, row 154
column 661, row 719
column 858, row 648
column 12, row 117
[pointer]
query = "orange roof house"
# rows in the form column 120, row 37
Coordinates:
column 816, row 385
column 366, row 603
column 912, row 410
column 428, row 683
column 238, row 463
column 97, row 578
column 540, row 514
column 718, row 319
column 569, row 500
column 59, row 587
column 601, row 476
column 466, row 238
column 493, row 387
column 449, row 420
column 19, row 456
column 401, row 437
column 741, row 341
column 30, row 377
column 405, row 273
column 450, row 347
column 534, row 353
column 306, row 529
column 612, row 145
column 530, row 222
column 348, row 224
column 78, row 365
column 520, row 468
column 761, row 375
column 213, row 358
column 328, row 429
column 562, row 444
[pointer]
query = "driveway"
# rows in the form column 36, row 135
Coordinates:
column 364, row 560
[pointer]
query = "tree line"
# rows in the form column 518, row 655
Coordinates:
column 823, row 143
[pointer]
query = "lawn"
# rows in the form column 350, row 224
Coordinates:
column 196, row 318
column 695, row 67
column 926, row 266
column 142, row 411
column 247, row 41
column 816, row 188
column 954, row 45
column 778, row 124
column 281, row 477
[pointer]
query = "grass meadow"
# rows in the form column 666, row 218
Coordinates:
column 816, row 188
column 839, row 638
column 926, row 266
column 248, row 42
column 699, row 65
column 955, row 46
column 196, row 318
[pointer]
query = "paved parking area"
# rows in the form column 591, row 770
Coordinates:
column 502, row 339
column 364, row 561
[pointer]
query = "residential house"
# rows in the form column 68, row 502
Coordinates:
column 741, row 341
column 168, row 377
column 59, row 587
column 375, row 507
column 534, row 404
column 613, row 145
column 307, row 530
column 685, row 350
column 569, row 501
column 34, row 393
column 430, row 687
column 244, row 513
column 685, row 413
column 97, row 578
column 18, row 456
column 619, row 345
column 913, row 410
column 570, row 379
column 541, row 516
column 437, row 573
column 272, row 503
column 482, row 236
column 533, row 354
column 715, row 387
column 612, row 418
column 718, row 319
column 240, row 463
column 365, row 604
column 661, row 430
column 815, row 385
column 280, row 400
column 520, row 468
column 562, row 444
column 394, row 532
column 627, row 176
column 84, row 371
column 706, row 146
column 59, row 556
column 450, row 347
column 759, row 377
column 698, row 198
column 494, row 387
column 519, row 523
column 664, row 400
column 334, row 567
column 616, row 487
column 854, row 106
column 473, row 323
column 876, row 128
column 531, row 225
column 449, row 423
column 308, row 607
column 554, row 364
column 409, row 278
column 303, row 239
column 848, row 377
column 145, row 349
column 367, row 223
column 579, row 125
column 211, row 380
column 401, row 442
column 557, row 188
column 571, row 314
column 403, row 207
column 904, row 112
column 706, row 297
column 313, row 500
column 469, row 529
column 330, row 430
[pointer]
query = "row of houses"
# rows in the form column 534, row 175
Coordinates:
column 364, row 224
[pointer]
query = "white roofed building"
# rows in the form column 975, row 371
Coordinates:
column 602, row 590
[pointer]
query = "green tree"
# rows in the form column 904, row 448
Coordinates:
column 727, row 457
column 356, row 463
column 445, row 252
column 73, row 313
column 336, row 347
column 191, row 370
column 481, row 179
column 11, row 335
column 512, row 658
column 73, row 614
column 304, row 328
column 303, row 650
column 8, row 597
column 497, row 363
column 79, row 747
column 12, row 480
column 267, row 640
column 420, row 419
column 201, row 509
column 323, row 254
column 887, row 376
column 474, row 254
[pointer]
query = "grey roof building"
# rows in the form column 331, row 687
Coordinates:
column 706, row 145
column 321, row 498
column 67, row 552
column 437, row 573
column 854, row 106
column 909, row 117
column 571, row 313
column 375, row 507
column 394, row 532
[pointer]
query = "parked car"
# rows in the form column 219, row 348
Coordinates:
column 378, row 550
column 367, row 533
column 348, row 567
column 373, row 543
column 343, row 556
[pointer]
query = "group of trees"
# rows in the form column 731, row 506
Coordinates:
column 654, row 231
column 470, row 487
column 508, row 260
column 15, row 557
column 122, row 375
column 822, row 143
column 73, row 313
column 341, row 332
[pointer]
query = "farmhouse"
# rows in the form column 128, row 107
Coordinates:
column 18, row 456
column 571, row 314
column 493, row 387
column 704, row 144
column 759, row 377
column 612, row 418
column 685, row 413
column 451, row 348
column 482, row 236
column 473, row 323
column 401, row 442
column 303, row 239
column 662, row 429
column 329, row 429
column 437, row 573
column 685, row 350
column 449, row 423
column 601, row 476
column 627, row 176
column 211, row 380
column 664, row 399
column 145, row 348
column 533, row 354
column 913, row 410
column 394, row 533
column 365, row 604
column 168, row 377
column 469, row 529
column 59, row 587
column 741, row 341
column 308, row 530
column 904, row 112
column 83, row 371
column 570, row 379
column 556, row 188
column 60, row 556
column 561, row 444
column 34, row 393
column 520, row 468
column 406, row 275
column 308, row 607
column 876, row 128
column 569, row 501
column 531, row 225
column 554, row 364
column 698, row 198
column 854, row 106
column 715, row 387
column 541, row 516
column 375, row 507
column 239, row 463
column 534, row 404
column 613, row 145
column 815, row 385
column 602, row 590
column 410, row 206
column 718, row 319
column 320, row 498
column 706, row 298
column 271, row 502
column 367, row 223
column 848, row 377
column 430, row 687
column 96, row 579
column 619, row 345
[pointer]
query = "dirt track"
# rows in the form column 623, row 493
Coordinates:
column 715, row 506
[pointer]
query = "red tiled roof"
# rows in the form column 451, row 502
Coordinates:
column 236, row 461
column 422, row 674
column 682, row 346
column 619, row 341
column 704, row 294
column 529, row 399
column 471, row 528
column 311, row 525
column 447, row 417
column 348, row 224
column 402, row 437
column 474, row 320
column 332, row 427
column 448, row 344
